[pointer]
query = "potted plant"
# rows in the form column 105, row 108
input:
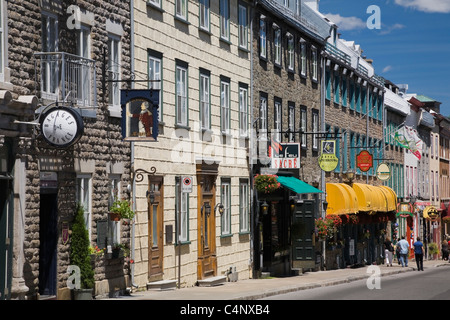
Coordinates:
column 80, row 256
column 121, row 209
column 433, row 250
column 266, row 183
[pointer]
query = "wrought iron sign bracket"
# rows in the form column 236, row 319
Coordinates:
column 138, row 174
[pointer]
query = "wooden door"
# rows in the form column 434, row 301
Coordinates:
column 302, row 231
column 155, row 227
column 206, row 227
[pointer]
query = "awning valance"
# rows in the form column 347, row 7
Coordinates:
column 341, row 199
column 296, row 185
column 345, row 199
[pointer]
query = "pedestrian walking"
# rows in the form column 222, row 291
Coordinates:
column 444, row 250
column 404, row 251
column 418, row 253
column 397, row 253
column 388, row 252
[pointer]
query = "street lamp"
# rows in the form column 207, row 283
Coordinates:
column 265, row 208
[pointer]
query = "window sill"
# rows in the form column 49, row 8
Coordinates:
column 154, row 6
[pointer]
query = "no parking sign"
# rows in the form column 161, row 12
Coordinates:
column 186, row 184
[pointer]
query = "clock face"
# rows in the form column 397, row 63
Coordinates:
column 61, row 127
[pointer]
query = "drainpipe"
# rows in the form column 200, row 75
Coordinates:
column 252, row 215
column 133, row 187
column 322, row 173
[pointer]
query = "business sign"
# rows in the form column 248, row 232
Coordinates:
column 328, row 160
column 364, row 161
column 186, row 184
column 285, row 155
column 405, row 210
column 383, row 172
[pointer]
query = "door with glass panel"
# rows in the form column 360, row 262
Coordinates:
column 207, row 259
column 155, row 201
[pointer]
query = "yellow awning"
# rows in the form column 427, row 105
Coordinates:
column 341, row 199
column 370, row 198
column 391, row 198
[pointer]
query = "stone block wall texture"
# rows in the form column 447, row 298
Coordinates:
column 101, row 143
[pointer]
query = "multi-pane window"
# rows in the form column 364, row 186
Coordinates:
column 182, row 210
column 226, row 202
column 225, row 19
column 181, row 94
column 315, row 127
column 291, row 122
column 277, row 45
column 84, row 198
column 154, row 75
column 244, row 207
column 303, row 127
column 290, row 47
column 205, row 100
column 243, row 26
column 114, row 69
column 225, row 106
column 303, row 61
column 83, row 81
column 277, row 120
column 181, row 9
column 315, row 69
column 114, row 227
column 243, row 110
column 49, row 44
column 263, row 116
column 262, row 37
column 204, row 14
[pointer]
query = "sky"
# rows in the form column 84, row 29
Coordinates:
column 411, row 45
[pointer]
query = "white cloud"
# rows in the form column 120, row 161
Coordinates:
column 389, row 29
column 387, row 69
column 346, row 23
column 431, row 6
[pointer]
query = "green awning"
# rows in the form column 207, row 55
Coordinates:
column 297, row 185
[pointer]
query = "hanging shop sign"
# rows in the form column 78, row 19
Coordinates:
column 328, row 161
column 285, row 155
column 140, row 117
column 364, row 161
column 405, row 210
column 383, row 172
column 431, row 213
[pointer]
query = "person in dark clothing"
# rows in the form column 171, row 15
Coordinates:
column 445, row 250
column 418, row 252
column 388, row 252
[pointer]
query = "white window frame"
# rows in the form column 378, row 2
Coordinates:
column 303, row 60
column 182, row 213
column 114, row 58
column 314, row 61
column 224, row 19
column 156, row 3
column 278, row 125
column 277, row 45
column 290, row 50
column 263, row 37
column 225, row 192
column 84, row 198
column 243, row 111
column 315, row 116
column 50, row 41
column 263, row 117
column 204, row 14
column 84, row 81
column 3, row 42
column 181, row 74
column 205, row 101
column 244, row 207
column 291, row 122
column 181, row 9
column 225, row 107
column 114, row 188
column 154, row 74
column 303, row 127
column 243, row 26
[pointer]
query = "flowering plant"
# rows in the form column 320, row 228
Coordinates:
column 266, row 183
column 353, row 218
column 321, row 228
column 96, row 250
column 446, row 219
column 334, row 221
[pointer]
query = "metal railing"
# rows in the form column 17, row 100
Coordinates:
column 338, row 54
column 65, row 76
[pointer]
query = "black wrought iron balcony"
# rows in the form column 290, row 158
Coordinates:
column 66, row 77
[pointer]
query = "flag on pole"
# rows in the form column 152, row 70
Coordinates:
column 407, row 138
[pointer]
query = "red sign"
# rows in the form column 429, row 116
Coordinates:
column 364, row 161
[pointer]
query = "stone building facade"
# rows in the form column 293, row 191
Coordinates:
column 55, row 53
column 287, row 75
column 197, row 54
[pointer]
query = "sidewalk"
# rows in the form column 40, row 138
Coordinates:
column 253, row 289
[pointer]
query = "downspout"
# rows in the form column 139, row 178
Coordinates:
column 133, row 188
column 252, row 215
column 322, row 173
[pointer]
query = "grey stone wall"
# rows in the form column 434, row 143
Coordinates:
column 101, row 143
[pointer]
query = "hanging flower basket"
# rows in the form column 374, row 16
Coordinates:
column 266, row 183
column 321, row 228
column 446, row 219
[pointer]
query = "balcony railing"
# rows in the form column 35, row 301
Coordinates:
column 338, row 54
column 64, row 76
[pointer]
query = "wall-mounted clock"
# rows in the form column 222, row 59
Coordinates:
column 61, row 127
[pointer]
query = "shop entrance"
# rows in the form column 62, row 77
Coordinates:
column 155, row 197
column 48, row 237
column 206, row 222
